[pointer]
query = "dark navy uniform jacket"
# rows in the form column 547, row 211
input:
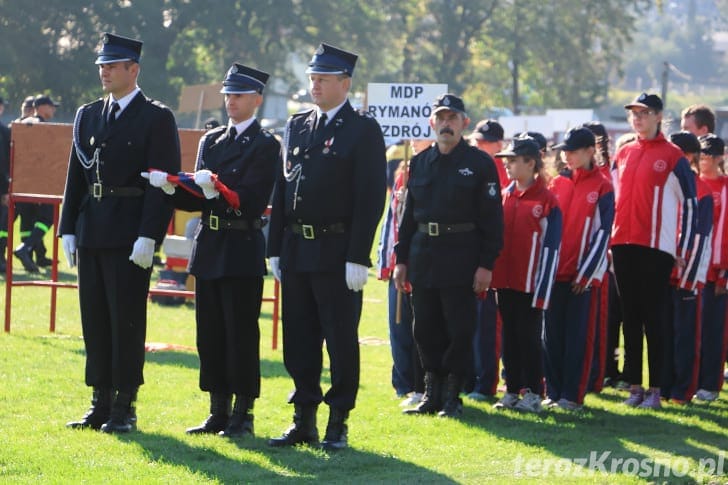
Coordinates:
column 342, row 181
column 457, row 188
column 247, row 166
column 144, row 136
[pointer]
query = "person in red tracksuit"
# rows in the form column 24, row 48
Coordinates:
column 653, row 230
column 588, row 212
column 714, row 327
column 524, row 272
column 682, row 337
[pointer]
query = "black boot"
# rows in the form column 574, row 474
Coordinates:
column 123, row 414
column 219, row 415
column 24, row 252
column 241, row 421
column 452, row 404
column 336, row 430
column 303, row 429
column 40, row 255
column 432, row 399
column 98, row 413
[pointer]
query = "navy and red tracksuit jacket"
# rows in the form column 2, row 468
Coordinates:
column 655, row 197
column 718, row 268
column 532, row 235
column 693, row 276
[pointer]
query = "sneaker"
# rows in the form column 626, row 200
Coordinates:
column 413, row 398
column 706, row 395
column 651, row 400
column 636, row 396
column 477, row 396
column 530, row 402
column 548, row 403
column 508, row 401
column 567, row 405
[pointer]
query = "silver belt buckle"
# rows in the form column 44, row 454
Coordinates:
column 214, row 222
column 433, row 229
column 307, row 231
column 98, row 191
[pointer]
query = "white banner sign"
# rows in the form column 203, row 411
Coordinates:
column 403, row 110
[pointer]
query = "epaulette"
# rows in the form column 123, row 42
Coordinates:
column 158, row 104
column 365, row 114
column 88, row 105
column 217, row 130
column 302, row 114
column 266, row 133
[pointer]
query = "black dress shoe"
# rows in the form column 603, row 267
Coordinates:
column 42, row 261
column 23, row 253
column 212, row 425
column 239, row 426
column 295, row 436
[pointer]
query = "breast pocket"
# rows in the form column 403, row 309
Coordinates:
column 464, row 189
column 421, row 188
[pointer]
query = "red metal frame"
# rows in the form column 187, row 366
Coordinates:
column 54, row 284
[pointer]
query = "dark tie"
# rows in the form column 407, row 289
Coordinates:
column 112, row 112
column 232, row 133
column 320, row 126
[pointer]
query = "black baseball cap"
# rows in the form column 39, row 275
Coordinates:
column 597, row 128
column 711, row 144
column 687, row 142
column 538, row 137
column 644, row 100
column 448, row 101
column 524, row 145
column 576, row 138
column 488, row 130
column 42, row 99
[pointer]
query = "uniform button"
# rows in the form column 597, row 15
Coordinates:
column 103, row 144
column 299, row 198
column 306, row 157
column 299, row 221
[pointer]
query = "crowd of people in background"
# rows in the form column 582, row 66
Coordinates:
column 600, row 245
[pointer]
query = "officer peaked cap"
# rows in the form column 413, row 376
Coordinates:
column 115, row 48
column 242, row 79
column 331, row 60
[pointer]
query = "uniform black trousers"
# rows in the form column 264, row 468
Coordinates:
column 228, row 335
column 113, row 298
column 643, row 277
column 444, row 328
column 522, row 332
column 319, row 307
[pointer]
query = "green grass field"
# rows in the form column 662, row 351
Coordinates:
column 41, row 382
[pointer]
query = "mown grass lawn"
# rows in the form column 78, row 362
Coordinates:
column 41, row 387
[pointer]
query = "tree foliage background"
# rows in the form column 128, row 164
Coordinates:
column 521, row 54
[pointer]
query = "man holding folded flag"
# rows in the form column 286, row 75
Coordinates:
column 231, row 185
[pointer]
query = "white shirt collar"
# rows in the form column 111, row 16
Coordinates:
column 124, row 102
column 330, row 113
column 242, row 126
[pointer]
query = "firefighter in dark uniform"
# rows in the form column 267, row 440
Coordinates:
column 110, row 223
column 228, row 256
column 453, row 207
column 328, row 200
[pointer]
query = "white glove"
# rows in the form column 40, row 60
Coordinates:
column 203, row 178
column 143, row 252
column 69, row 247
column 356, row 276
column 159, row 179
column 274, row 267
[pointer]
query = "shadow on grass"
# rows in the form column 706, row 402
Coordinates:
column 260, row 463
column 618, row 435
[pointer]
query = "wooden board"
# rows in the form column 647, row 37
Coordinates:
column 40, row 156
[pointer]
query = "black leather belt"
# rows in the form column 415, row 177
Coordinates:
column 98, row 191
column 310, row 231
column 216, row 223
column 438, row 229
